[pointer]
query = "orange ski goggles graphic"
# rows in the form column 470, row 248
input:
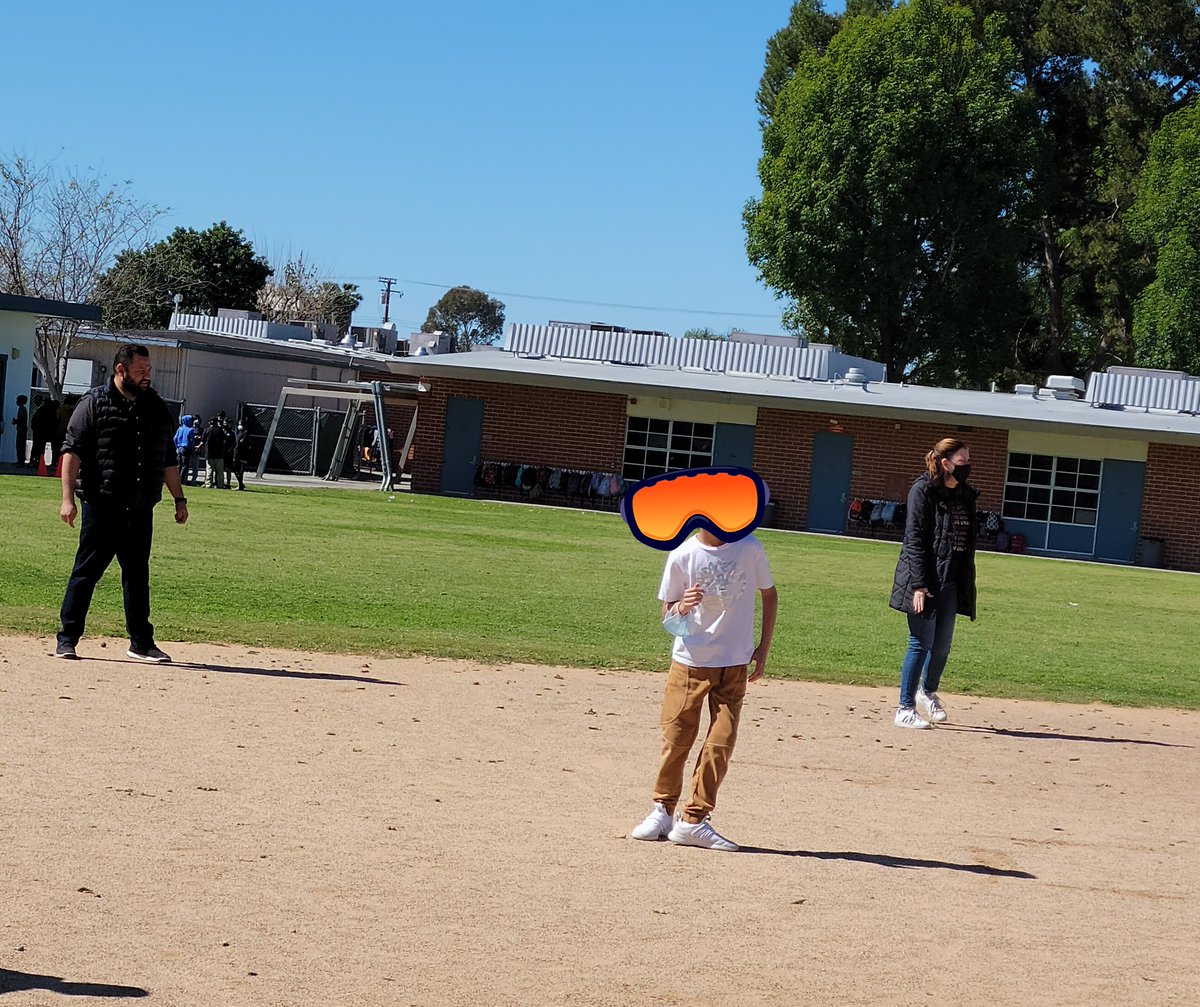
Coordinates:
column 664, row 510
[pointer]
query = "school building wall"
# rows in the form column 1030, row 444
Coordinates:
column 581, row 429
column 1171, row 503
column 523, row 423
column 887, row 456
column 17, row 337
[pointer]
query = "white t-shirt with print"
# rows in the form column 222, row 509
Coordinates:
column 730, row 575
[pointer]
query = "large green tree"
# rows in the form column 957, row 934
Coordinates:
column 1100, row 76
column 809, row 30
column 210, row 269
column 1054, row 79
column 895, row 172
column 1166, row 216
column 468, row 316
column 1147, row 57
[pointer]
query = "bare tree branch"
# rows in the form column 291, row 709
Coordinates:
column 59, row 231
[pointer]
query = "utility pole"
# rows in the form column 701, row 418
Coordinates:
column 385, row 298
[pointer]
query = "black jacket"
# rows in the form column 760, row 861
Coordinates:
column 241, row 447
column 44, row 421
column 123, row 447
column 929, row 545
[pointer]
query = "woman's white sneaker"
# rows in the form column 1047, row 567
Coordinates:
column 931, row 707
column 906, row 716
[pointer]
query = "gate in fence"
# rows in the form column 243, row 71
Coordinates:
column 305, row 439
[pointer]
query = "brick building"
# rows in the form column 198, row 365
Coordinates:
column 1112, row 473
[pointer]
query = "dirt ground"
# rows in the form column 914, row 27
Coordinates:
column 263, row 827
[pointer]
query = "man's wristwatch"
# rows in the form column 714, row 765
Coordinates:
column 181, row 501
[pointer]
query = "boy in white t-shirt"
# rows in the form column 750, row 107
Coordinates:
column 708, row 590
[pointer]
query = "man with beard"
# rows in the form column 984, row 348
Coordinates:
column 117, row 454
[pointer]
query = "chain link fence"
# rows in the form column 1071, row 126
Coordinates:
column 304, row 441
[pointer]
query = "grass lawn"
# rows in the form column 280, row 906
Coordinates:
column 350, row 571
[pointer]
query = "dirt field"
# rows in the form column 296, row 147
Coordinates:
column 259, row 827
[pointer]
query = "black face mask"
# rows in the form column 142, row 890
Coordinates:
column 962, row 472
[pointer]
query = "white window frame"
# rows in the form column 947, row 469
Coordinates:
column 673, row 443
column 1062, row 470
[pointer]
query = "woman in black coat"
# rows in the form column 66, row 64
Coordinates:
column 935, row 577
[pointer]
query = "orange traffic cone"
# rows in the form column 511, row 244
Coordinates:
column 42, row 466
column 58, row 468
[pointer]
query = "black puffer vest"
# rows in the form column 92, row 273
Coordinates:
column 123, row 447
column 928, row 547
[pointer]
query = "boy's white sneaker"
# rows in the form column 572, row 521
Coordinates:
column 654, row 826
column 700, row 834
column 931, row 707
column 906, row 716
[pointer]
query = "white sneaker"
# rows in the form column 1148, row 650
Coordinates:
column 654, row 826
column 906, row 716
column 701, row 834
column 931, row 707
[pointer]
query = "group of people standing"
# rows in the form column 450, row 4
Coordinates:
column 47, row 425
column 119, row 454
column 225, row 451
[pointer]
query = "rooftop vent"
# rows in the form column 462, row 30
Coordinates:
column 856, row 376
column 1028, row 391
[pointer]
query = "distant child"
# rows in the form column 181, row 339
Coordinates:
column 708, row 590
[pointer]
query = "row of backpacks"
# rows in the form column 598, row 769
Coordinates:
column 890, row 514
column 876, row 513
column 537, row 480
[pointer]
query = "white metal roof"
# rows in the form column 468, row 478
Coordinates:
column 818, row 362
column 288, row 349
column 1126, row 388
column 985, row 409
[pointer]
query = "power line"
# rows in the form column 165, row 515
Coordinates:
column 594, row 304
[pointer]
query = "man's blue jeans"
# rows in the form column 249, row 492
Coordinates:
column 929, row 638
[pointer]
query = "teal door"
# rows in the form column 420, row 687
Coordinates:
column 1120, row 515
column 733, row 444
column 830, row 484
column 460, row 445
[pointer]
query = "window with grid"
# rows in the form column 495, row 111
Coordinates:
column 654, row 446
column 1058, row 490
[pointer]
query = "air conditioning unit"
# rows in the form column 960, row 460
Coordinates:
column 1064, row 386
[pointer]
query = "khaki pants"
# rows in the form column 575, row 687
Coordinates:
column 683, row 701
column 214, row 476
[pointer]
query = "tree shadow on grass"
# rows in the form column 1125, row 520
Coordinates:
column 886, row 860
column 230, row 669
column 1012, row 732
column 18, row 982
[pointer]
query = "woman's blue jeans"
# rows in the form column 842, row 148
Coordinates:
column 929, row 638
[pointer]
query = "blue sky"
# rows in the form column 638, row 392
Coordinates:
column 586, row 152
